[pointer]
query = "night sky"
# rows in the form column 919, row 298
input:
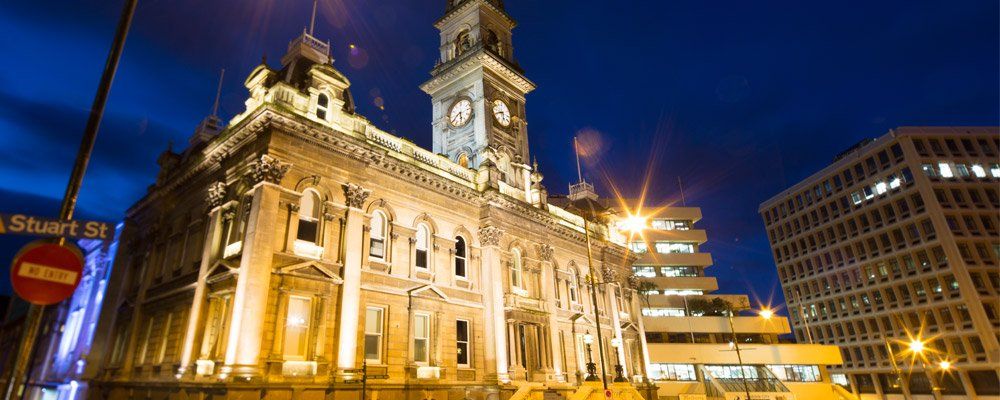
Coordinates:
column 739, row 99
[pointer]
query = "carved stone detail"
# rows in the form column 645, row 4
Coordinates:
column 490, row 235
column 356, row 195
column 268, row 169
column 545, row 252
column 609, row 274
column 216, row 194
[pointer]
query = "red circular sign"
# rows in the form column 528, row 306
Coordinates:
column 46, row 273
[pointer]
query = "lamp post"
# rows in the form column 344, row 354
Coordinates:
column 739, row 357
column 591, row 367
column 619, row 371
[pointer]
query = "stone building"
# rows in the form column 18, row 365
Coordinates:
column 277, row 256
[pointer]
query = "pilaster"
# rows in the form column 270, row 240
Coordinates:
column 253, row 281
column 210, row 253
column 492, row 276
column 350, row 290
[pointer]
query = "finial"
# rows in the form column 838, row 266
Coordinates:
column 263, row 59
column 534, row 163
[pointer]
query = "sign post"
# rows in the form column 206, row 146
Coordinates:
column 34, row 318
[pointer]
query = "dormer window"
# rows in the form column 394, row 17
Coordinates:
column 423, row 246
column 322, row 106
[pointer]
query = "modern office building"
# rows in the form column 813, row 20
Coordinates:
column 890, row 252
column 689, row 332
column 284, row 255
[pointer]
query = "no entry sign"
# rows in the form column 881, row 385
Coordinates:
column 46, row 273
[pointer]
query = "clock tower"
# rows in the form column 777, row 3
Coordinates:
column 477, row 89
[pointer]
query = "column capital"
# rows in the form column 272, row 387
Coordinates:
column 545, row 251
column 268, row 169
column 356, row 195
column 216, row 194
column 490, row 235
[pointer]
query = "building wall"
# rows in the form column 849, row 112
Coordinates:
column 864, row 261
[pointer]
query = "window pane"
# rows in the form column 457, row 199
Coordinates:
column 462, row 329
column 297, row 327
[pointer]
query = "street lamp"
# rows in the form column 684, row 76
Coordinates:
column 619, row 371
column 916, row 346
column 588, row 339
column 766, row 313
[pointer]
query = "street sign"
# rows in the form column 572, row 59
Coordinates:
column 23, row 224
column 607, row 394
column 45, row 273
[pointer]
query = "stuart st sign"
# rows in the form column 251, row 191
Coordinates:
column 23, row 224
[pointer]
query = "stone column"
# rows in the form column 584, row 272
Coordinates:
column 350, row 290
column 253, row 281
column 210, row 253
column 644, row 350
column 548, row 293
column 492, row 278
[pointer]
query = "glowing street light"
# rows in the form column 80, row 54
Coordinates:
column 916, row 346
column 944, row 365
column 766, row 313
column 588, row 339
column 633, row 224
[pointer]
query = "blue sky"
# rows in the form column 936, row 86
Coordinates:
column 739, row 99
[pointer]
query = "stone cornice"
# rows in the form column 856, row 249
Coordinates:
column 469, row 4
column 447, row 72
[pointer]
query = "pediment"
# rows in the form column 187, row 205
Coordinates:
column 220, row 267
column 428, row 291
column 311, row 270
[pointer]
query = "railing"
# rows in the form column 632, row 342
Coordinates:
column 421, row 155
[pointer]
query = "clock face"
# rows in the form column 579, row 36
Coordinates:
column 460, row 112
column 501, row 112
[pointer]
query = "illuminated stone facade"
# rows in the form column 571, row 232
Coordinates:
column 275, row 257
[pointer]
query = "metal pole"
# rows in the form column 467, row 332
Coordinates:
column 593, row 298
column 35, row 314
column 739, row 357
column 896, row 370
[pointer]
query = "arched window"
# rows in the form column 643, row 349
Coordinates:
column 574, row 289
column 463, row 160
column 463, row 42
column 322, row 106
column 515, row 270
column 423, row 246
column 309, row 207
column 376, row 242
column 460, row 258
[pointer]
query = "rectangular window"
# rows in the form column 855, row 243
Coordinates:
column 671, row 247
column 421, row 338
column 945, row 170
column 297, row 327
column 672, row 372
column 145, row 342
column 373, row 334
column 462, row 341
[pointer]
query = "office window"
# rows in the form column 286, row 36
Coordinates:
column 165, row 336
column 462, row 341
column 297, row 327
column 672, row 372
column 373, row 334
column 671, row 247
column 638, row 247
column 978, row 171
column 421, row 338
column 796, row 373
column 423, row 246
column 379, row 227
column 945, row 170
column 460, row 257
